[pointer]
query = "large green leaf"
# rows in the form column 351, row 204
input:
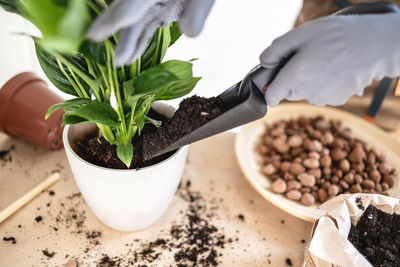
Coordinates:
column 68, row 105
column 10, row 5
column 125, row 153
column 63, row 27
column 53, row 72
column 97, row 112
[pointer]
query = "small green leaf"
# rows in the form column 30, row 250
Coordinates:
column 68, row 105
column 94, row 51
column 174, row 32
column 71, row 119
column 10, row 5
column 128, row 85
column 152, row 80
column 125, row 153
column 181, row 69
column 177, row 89
column 156, row 123
column 97, row 112
column 63, row 25
column 163, row 41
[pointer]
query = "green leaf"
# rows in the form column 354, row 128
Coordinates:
column 97, row 112
column 68, row 105
column 152, row 80
column 125, row 153
column 94, row 51
column 71, row 119
column 181, row 69
column 73, row 24
column 53, row 72
column 156, row 123
column 147, row 56
column 163, row 41
column 63, row 26
column 174, row 32
column 150, row 52
column 177, row 89
column 168, row 80
column 10, row 5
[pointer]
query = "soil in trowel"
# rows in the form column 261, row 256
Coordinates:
column 97, row 150
column 377, row 237
column 193, row 112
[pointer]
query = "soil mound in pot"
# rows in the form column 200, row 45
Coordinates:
column 193, row 112
column 377, row 237
column 99, row 152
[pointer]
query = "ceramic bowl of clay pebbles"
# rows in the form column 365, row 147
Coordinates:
column 299, row 156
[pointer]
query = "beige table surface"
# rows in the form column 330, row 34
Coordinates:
column 266, row 237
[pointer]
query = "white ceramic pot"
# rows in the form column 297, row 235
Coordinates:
column 126, row 200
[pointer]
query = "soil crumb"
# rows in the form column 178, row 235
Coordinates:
column 359, row 203
column 5, row 154
column 48, row 254
column 288, row 262
column 192, row 113
column 39, row 219
column 95, row 149
column 377, row 237
column 10, row 239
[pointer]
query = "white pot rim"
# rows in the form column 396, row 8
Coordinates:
column 67, row 146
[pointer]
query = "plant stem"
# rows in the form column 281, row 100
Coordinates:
column 78, row 83
column 107, row 133
column 74, row 85
column 79, row 72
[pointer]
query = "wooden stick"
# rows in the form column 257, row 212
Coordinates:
column 19, row 203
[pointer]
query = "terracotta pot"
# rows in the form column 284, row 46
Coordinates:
column 24, row 101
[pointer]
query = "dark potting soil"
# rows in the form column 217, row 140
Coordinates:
column 377, row 237
column 38, row 218
column 48, row 254
column 5, row 154
column 10, row 239
column 99, row 152
column 193, row 112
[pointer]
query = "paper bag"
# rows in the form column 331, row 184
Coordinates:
column 329, row 246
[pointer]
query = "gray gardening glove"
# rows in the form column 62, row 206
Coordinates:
column 138, row 20
column 334, row 58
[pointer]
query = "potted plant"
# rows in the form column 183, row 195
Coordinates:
column 113, row 101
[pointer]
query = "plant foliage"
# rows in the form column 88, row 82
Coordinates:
column 117, row 99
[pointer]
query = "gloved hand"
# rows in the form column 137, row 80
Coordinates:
column 138, row 20
column 334, row 58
